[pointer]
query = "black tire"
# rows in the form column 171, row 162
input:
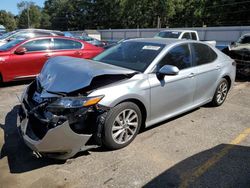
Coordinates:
column 108, row 133
column 1, row 80
column 216, row 102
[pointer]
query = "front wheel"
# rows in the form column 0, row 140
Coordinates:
column 220, row 93
column 122, row 125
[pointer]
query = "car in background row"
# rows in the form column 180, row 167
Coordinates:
column 85, row 38
column 182, row 34
column 139, row 82
column 27, row 33
column 23, row 59
column 2, row 33
column 240, row 52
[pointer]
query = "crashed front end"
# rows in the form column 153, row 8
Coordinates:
column 57, row 116
column 241, row 55
column 59, row 126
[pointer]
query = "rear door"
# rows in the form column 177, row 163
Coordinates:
column 67, row 47
column 30, row 63
column 207, row 70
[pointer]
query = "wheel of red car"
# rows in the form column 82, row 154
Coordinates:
column 1, row 78
column 122, row 125
column 220, row 93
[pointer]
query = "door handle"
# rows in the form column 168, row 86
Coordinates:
column 47, row 55
column 78, row 53
column 191, row 75
column 218, row 67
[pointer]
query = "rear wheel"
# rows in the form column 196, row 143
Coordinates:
column 122, row 125
column 220, row 93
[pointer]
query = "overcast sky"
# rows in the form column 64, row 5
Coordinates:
column 11, row 5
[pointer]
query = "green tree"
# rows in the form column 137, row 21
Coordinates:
column 45, row 21
column 30, row 15
column 7, row 20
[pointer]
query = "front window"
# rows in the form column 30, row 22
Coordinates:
column 38, row 45
column 133, row 55
column 244, row 40
column 168, row 34
column 179, row 56
column 10, row 45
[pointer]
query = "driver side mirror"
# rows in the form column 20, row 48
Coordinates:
column 233, row 43
column 20, row 51
column 169, row 70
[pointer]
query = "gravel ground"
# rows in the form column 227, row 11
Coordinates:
column 208, row 147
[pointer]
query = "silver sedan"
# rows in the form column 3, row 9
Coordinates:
column 76, row 104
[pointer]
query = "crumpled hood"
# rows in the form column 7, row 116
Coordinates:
column 67, row 74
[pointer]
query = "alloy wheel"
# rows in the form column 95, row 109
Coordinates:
column 125, row 126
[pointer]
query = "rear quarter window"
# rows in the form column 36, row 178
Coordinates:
column 203, row 54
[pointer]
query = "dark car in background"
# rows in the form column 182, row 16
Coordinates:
column 23, row 59
column 27, row 33
column 86, row 38
column 240, row 52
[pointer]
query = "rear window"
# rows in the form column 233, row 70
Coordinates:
column 65, row 44
column 203, row 54
column 186, row 36
column 194, row 37
column 168, row 34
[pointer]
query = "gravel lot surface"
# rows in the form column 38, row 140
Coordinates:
column 208, row 147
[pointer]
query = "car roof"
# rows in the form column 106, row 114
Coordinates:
column 40, row 30
column 178, row 30
column 48, row 37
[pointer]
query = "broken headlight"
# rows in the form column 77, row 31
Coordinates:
column 75, row 102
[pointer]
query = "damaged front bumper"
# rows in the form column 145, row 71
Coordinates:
column 58, row 136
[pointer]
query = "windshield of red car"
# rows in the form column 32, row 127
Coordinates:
column 134, row 55
column 10, row 44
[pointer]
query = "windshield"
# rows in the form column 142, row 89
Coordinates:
column 168, row 34
column 133, row 55
column 244, row 40
column 10, row 44
column 4, row 36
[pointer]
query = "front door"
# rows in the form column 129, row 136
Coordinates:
column 173, row 94
column 30, row 63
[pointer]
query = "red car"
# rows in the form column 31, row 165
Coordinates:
column 23, row 59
